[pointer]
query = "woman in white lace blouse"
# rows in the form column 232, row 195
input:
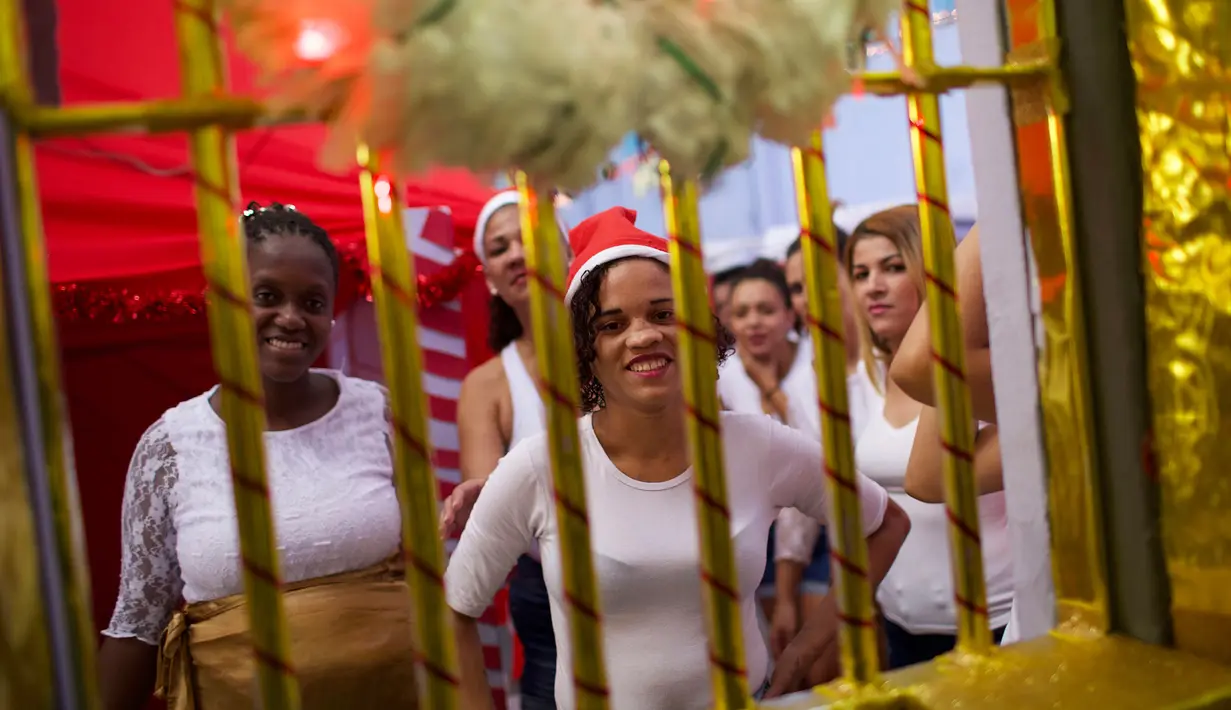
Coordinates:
column 335, row 513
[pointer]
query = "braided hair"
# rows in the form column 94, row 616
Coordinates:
column 260, row 222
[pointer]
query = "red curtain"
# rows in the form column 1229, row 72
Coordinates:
column 118, row 213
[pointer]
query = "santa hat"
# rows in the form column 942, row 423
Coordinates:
column 504, row 198
column 606, row 237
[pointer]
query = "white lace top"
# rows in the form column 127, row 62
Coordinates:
column 334, row 505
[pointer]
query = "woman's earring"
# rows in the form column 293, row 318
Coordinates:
column 333, row 322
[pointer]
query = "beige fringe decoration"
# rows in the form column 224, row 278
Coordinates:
column 550, row 86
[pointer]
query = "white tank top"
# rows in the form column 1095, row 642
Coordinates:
column 917, row 594
column 528, row 412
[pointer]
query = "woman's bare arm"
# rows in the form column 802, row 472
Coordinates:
column 478, row 422
column 476, row 693
column 924, row 473
column 912, row 363
column 127, row 670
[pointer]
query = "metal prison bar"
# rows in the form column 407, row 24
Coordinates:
column 1036, row 82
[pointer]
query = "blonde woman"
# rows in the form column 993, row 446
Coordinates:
column 885, row 265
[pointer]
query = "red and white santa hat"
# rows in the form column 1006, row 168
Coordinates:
column 502, row 199
column 606, row 237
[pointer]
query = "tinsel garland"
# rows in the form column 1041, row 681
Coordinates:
column 78, row 302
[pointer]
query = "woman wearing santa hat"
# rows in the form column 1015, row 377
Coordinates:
column 641, row 503
column 499, row 406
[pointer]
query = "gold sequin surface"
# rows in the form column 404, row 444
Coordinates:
column 1181, row 50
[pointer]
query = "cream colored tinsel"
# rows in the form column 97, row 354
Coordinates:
column 551, row 86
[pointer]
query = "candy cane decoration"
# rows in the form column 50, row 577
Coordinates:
column 234, row 351
column 699, row 367
column 948, row 342
column 393, row 292
column 553, row 341
column 848, row 548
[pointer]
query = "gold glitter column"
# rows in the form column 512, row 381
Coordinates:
column 1181, row 51
column 1064, row 395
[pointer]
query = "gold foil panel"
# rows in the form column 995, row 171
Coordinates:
column 1063, row 383
column 1181, row 50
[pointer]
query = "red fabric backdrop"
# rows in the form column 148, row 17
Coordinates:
column 118, row 212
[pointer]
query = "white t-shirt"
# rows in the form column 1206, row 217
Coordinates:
column 917, row 593
column 646, row 553
column 331, row 490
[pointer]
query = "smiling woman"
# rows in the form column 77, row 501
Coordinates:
column 334, row 505
column 642, row 513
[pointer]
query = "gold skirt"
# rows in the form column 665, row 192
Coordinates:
column 350, row 646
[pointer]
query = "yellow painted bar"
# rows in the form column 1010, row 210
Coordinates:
column 699, row 367
column 394, row 294
column 239, row 112
column 154, row 116
column 553, row 341
column 1064, row 394
column 232, row 336
column 28, row 682
column 56, row 440
column 852, row 586
column 957, row 428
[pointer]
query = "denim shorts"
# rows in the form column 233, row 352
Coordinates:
column 816, row 574
column 531, row 614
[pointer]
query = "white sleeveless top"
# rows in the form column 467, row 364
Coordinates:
column 917, row 593
column 529, row 416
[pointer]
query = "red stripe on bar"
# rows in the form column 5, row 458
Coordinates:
column 709, row 501
column 856, row 621
column 688, row 247
column 574, row 509
column 838, row 479
column 813, row 153
column 423, row 567
column 921, row 125
column 416, row 444
column 589, row 689
column 830, row 411
column 698, row 334
column 969, row 605
column 268, row 659
column 951, row 368
column 546, row 284
column 436, row 670
column 254, row 487
column 718, row 585
column 246, row 396
column 845, row 563
column 261, row 573
column 578, row 606
column 815, row 238
column 701, row 418
column 222, row 293
column 961, row 526
column 557, row 396
column 940, row 284
column 728, row 667
column 917, row 7
column 956, row 452
column 824, row 328
column 401, row 293
column 934, row 202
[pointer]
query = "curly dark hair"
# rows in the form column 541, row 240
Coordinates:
column 503, row 325
column 260, row 222
column 584, row 310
